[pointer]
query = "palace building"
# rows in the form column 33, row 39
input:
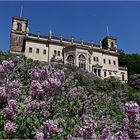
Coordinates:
column 101, row 59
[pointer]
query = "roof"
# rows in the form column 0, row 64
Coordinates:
column 67, row 42
column 110, row 37
column 63, row 39
column 23, row 19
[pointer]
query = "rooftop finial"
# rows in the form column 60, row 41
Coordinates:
column 107, row 30
column 82, row 41
column 50, row 34
column 38, row 36
column 61, row 37
column 27, row 30
column 21, row 9
column 91, row 43
column 100, row 44
column 72, row 39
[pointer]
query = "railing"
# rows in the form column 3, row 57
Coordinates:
column 68, row 40
column 54, row 37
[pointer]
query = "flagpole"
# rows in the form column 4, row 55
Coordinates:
column 21, row 11
column 107, row 30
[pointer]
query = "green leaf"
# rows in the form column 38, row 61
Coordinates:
column 29, row 120
column 21, row 105
column 2, row 134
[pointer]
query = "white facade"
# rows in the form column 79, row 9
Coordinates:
column 100, row 59
column 36, row 51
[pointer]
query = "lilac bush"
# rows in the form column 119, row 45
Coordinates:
column 47, row 79
column 54, row 101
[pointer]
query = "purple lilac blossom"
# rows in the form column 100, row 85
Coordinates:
column 132, row 108
column 106, row 134
column 39, row 136
column 77, row 92
column 13, row 104
column 34, row 75
column 11, row 109
column 7, row 65
column 87, row 128
column 50, row 127
column 3, row 95
column 14, row 89
column 10, row 127
column 36, row 90
column 121, row 136
column 33, row 106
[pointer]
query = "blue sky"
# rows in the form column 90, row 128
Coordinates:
column 81, row 20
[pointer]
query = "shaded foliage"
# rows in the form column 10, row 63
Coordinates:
column 131, row 61
column 134, row 81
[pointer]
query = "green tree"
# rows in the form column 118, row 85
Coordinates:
column 131, row 61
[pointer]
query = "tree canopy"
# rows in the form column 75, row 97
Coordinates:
column 131, row 61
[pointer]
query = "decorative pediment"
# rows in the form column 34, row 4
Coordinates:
column 97, row 66
column 70, row 53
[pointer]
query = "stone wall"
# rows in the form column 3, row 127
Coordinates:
column 37, row 56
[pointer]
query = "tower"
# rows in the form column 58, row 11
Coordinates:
column 18, row 33
column 109, row 43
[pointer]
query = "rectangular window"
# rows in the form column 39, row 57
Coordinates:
column 44, row 51
column 19, row 26
column 58, row 53
column 122, row 77
column 37, row 51
column 89, row 61
column 55, row 52
column 109, row 61
column 99, row 72
column 18, row 39
column 30, row 49
column 95, row 71
column 104, row 61
column 97, row 59
column 92, row 68
column 94, row 58
column 114, row 62
column 104, row 73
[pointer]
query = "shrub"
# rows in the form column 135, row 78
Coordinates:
column 57, row 101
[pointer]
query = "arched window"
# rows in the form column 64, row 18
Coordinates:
column 70, row 59
column 82, row 62
column 19, row 26
column 112, row 44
